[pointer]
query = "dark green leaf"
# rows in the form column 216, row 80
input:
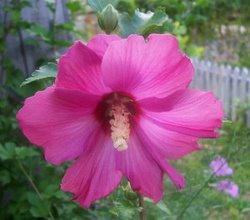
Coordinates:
column 5, row 177
column 7, row 151
column 46, row 71
column 40, row 208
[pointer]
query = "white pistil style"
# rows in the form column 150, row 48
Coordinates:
column 120, row 128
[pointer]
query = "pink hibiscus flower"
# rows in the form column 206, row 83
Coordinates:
column 120, row 107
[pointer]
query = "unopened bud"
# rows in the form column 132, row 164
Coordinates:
column 108, row 19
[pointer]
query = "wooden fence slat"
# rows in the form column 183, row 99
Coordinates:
column 231, row 85
column 207, row 75
column 244, row 82
column 235, row 91
column 228, row 90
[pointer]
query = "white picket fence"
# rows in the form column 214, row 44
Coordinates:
column 230, row 84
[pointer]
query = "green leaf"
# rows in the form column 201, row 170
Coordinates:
column 15, row 15
column 33, row 198
column 157, row 20
column 53, row 190
column 75, row 6
column 163, row 207
column 130, row 25
column 26, row 152
column 98, row 5
column 39, row 208
column 7, row 151
column 11, row 151
column 40, row 31
column 5, row 177
column 194, row 51
column 142, row 23
column 46, row 71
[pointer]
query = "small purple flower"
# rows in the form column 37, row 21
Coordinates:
column 228, row 187
column 220, row 167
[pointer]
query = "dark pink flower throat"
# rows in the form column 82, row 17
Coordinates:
column 116, row 112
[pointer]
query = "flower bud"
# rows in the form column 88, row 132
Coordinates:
column 108, row 19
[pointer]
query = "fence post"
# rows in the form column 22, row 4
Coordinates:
column 231, row 85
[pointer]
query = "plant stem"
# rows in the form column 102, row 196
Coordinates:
column 33, row 185
column 141, row 205
column 23, row 52
column 194, row 197
column 204, row 185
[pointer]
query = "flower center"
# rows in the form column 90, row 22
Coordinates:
column 119, row 125
column 116, row 112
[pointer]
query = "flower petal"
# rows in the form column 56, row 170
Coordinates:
column 190, row 112
column 94, row 175
column 228, row 187
column 143, row 173
column 155, row 66
column 220, row 167
column 59, row 120
column 177, row 179
column 170, row 144
column 79, row 69
column 100, row 42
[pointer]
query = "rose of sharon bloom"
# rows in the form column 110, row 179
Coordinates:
column 228, row 187
column 220, row 167
column 120, row 107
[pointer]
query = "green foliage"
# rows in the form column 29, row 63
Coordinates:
column 204, row 19
column 99, row 5
column 157, row 21
column 31, row 190
column 10, row 151
column 44, row 72
column 142, row 23
column 74, row 6
column 128, row 6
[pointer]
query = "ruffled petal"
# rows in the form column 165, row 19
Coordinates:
column 190, row 112
column 60, row 121
column 169, row 144
column 94, row 175
column 152, row 147
column 143, row 173
column 100, row 42
column 155, row 66
column 80, row 69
